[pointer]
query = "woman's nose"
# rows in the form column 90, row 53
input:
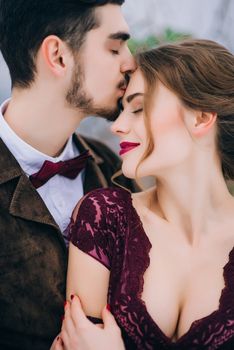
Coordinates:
column 114, row 127
column 119, row 126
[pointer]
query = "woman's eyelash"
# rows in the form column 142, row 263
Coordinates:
column 138, row 110
column 115, row 52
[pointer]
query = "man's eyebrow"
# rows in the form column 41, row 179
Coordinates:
column 123, row 36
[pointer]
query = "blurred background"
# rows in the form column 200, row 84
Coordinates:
column 156, row 21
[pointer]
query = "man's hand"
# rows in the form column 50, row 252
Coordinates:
column 78, row 333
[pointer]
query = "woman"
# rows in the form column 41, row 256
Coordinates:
column 163, row 259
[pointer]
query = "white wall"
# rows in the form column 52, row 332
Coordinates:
column 197, row 17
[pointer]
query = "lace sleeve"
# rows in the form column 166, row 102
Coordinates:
column 94, row 228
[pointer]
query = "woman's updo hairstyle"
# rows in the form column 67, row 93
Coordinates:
column 201, row 74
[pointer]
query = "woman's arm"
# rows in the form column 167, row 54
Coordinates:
column 92, row 241
column 89, row 279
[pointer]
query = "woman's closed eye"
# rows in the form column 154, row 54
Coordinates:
column 138, row 110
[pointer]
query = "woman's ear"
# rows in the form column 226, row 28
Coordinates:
column 56, row 55
column 202, row 123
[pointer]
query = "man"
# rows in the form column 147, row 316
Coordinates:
column 67, row 59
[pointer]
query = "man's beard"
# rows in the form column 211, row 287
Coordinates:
column 79, row 99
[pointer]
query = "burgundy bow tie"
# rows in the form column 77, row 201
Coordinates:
column 68, row 168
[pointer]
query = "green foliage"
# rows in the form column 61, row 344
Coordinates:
column 152, row 40
column 147, row 43
column 170, row 36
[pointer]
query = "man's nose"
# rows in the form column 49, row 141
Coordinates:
column 129, row 64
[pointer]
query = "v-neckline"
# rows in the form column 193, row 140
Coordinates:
column 196, row 323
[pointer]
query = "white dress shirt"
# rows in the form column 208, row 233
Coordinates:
column 60, row 194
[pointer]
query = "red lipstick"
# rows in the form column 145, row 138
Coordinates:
column 127, row 146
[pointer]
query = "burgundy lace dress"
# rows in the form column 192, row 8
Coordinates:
column 109, row 229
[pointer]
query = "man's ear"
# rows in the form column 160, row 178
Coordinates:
column 56, row 55
column 203, row 122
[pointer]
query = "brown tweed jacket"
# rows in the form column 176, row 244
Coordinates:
column 33, row 256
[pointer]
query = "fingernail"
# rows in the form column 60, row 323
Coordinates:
column 108, row 307
column 72, row 296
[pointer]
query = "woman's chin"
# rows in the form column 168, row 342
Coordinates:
column 129, row 173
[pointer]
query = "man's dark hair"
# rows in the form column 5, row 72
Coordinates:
column 25, row 23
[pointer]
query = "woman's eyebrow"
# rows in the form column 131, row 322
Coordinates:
column 129, row 98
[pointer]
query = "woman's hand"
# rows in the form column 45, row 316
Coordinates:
column 78, row 333
column 57, row 344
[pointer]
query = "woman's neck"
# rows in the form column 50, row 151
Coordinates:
column 194, row 199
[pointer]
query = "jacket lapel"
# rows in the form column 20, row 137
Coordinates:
column 94, row 177
column 25, row 203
